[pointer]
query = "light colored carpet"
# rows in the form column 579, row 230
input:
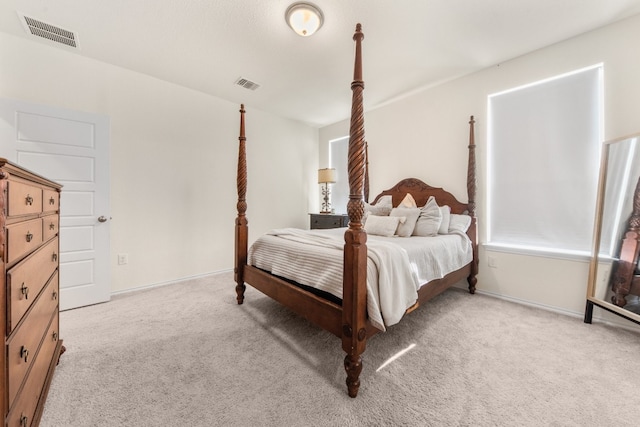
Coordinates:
column 188, row 355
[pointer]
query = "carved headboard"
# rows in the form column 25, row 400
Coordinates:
column 421, row 193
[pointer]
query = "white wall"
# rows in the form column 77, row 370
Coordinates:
column 173, row 161
column 425, row 136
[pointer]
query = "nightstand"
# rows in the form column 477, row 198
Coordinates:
column 319, row 220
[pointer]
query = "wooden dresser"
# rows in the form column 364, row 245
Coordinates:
column 29, row 248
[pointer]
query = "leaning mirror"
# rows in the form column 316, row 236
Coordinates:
column 614, row 275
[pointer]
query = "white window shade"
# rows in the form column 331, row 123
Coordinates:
column 544, row 146
column 339, row 149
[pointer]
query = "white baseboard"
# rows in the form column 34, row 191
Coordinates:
column 622, row 324
column 533, row 304
column 170, row 282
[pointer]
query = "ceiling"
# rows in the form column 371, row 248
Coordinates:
column 206, row 45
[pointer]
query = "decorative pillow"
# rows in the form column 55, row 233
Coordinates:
column 380, row 210
column 411, row 214
column 408, row 202
column 385, row 201
column 382, row 225
column 459, row 222
column 446, row 215
column 429, row 220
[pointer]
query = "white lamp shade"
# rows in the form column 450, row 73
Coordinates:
column 326, row 176
column 304, row 18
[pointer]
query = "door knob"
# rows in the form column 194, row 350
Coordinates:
column 102, row 218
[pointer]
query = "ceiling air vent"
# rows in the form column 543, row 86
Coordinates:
column 49, row 32
column 247, row 84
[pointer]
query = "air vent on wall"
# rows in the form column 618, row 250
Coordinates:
column 47, row 31
column 247, row 84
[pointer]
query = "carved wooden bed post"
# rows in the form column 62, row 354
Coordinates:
column 354, row 298
column 471, row 194
column 242, row 230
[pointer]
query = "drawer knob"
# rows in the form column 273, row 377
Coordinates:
column 55, row 336
column 52, row 226
column 24, row 421
column 29, row 200
column 24, row 354
column 54, row 295
column 25, row 291
column 29, row 236
column 54, row 257
column 52, row 201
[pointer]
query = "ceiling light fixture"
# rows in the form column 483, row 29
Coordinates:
column 304, row 18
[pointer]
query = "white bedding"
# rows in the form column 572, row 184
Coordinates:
column 397, row 266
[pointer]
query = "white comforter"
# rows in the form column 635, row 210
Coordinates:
column 396, row 269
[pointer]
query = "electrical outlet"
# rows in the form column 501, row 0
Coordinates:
column 123, row 259
column 493, row 263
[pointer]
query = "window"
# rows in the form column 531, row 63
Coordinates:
column 544, row 144
column 338, row 156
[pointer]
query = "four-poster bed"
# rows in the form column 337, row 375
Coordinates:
column 348, row 318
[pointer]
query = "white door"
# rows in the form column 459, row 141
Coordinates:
column 72, row 149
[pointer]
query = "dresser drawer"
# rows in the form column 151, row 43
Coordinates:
column 24, row 344
column 23, row 411
column 321, row 221
column 22, row 238
column 50, row 226
column 24, row 199
column 50, row 201
column 26, row 279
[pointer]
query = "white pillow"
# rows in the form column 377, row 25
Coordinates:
column 459, row 222
column 385, row 201
column 408, row 202
column 382, row 225
column 429, row 220
column 380, row 210
column 446, row 215
column 405, row 229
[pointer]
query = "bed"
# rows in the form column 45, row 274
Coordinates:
column 348, row 316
